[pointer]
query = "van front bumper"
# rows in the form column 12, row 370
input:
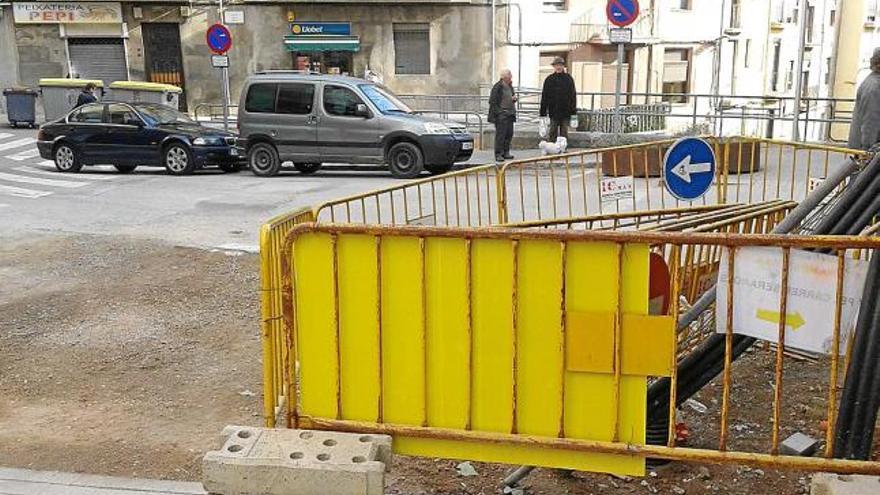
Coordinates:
column 447, row 149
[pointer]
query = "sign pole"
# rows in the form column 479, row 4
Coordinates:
column 224, row 81
column 618, row 127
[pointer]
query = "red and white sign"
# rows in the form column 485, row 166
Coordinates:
column 67, row 12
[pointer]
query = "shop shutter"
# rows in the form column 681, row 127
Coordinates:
column 412, row 49
column 98, row 58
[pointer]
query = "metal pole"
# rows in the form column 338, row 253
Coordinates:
column 492, row 63
column 799, row 82
column 224, row 80
column 618, row 128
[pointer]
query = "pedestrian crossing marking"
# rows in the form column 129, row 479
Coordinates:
column 24, row 155
column 22, row 192
column 5, row 135
column 18, row 143
column 40, row 181
column 54, row 173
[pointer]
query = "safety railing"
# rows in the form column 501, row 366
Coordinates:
column 537, row 346
column 213, row 112
column 473, row 121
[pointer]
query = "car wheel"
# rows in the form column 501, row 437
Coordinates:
column 263, row 160
column 229, row 168
column 67, row 159
column 125, row 169
column 178, row 160
column 439, row 169
column 307, row 168
column 405, row 160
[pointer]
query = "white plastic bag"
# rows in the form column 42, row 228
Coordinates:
column 562, row 144
column 556, row 148
column 543, row 127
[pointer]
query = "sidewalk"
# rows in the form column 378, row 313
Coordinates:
column 26, row 482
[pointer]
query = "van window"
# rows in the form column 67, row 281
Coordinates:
column 261, row 98
column 296, row 99
column 341, row 101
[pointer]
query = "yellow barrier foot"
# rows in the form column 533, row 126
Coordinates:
column 301, row 462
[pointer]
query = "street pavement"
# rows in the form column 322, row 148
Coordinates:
column 208, row 209
column 27, row 482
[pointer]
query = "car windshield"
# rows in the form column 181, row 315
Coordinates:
column 384, row 99
column 160, row 114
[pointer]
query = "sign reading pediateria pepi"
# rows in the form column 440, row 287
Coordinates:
column 812, row 297
column 67, row 12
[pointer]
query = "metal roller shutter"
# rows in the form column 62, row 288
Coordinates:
column 98, row 58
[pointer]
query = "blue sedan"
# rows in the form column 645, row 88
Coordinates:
column 127, row 135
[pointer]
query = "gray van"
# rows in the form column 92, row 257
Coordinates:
column 310, row 119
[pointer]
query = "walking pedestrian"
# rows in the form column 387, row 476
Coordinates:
column 864, row 131
column 87, row 95
column 558, row 100
column 502, row 113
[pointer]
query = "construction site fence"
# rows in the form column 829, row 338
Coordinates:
column 504, row 344
column 757, row 182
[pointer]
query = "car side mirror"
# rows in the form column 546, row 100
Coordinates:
column 361, row 110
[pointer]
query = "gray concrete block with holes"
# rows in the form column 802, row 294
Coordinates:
column 301, row 462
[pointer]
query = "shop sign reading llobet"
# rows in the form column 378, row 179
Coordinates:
column 67, row 12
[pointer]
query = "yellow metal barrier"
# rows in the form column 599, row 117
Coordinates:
column 513, row 346
column 275, row 347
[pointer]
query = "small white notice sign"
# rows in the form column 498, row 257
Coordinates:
column 234, row 16
column 617, row 188
column 812, row 296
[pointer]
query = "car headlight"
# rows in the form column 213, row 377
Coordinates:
column 207, row 141
column 436, row 128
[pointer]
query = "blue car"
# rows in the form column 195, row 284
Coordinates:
column 128, row 135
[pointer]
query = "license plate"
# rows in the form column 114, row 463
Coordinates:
column 467, row 146
column 233, row 152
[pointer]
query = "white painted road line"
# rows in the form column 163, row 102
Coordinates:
column 55, row 173
column 22, row 192
column 4, row 135
column 17, row 144
column 40, row 181
column 24, row 155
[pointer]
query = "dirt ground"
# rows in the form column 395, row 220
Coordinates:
column 126, row 357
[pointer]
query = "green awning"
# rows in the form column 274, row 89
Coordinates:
column 295, row 43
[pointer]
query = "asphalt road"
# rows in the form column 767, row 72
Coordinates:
column 209, row 209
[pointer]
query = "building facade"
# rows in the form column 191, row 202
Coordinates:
column 414, row 46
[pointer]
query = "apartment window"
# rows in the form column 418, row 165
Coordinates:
column 556, row 5
column 735, row 13
column 828, row 70
column 832, row 17
column 676, row 74
column 412, row 49
column 811, row 17
column 777, row 53
column 805, row 81
column 779, row 11
column 789, row 78
column 685, row 4
column 795, row 12
column 748, row 54
column 871, row 11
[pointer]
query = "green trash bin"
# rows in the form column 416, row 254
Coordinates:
column 21, row 106
column 60, row 95
column 145, row 92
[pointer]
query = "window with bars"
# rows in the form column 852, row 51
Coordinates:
column 412, row 48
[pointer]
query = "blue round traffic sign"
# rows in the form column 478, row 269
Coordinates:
column 622, row 13
column 689, row 168
column 219, row 39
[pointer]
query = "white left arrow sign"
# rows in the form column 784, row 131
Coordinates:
column 685, row 168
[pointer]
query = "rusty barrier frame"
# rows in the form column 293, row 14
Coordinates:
column 272, row 235
column 672, row 241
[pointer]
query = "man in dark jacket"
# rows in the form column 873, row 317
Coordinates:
column 558, row 100
column 864, row 131
column 502, row 113
column 86, row 96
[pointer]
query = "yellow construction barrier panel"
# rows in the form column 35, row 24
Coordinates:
column 531, row 337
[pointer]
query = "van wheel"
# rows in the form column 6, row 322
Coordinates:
column 307, row 168
column 405, row 160
column 263, row 160
column 439, row 169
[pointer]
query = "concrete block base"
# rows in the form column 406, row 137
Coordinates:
column 301, row 462
column 844, row 484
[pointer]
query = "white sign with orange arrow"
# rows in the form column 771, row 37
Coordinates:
column 812, row 297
